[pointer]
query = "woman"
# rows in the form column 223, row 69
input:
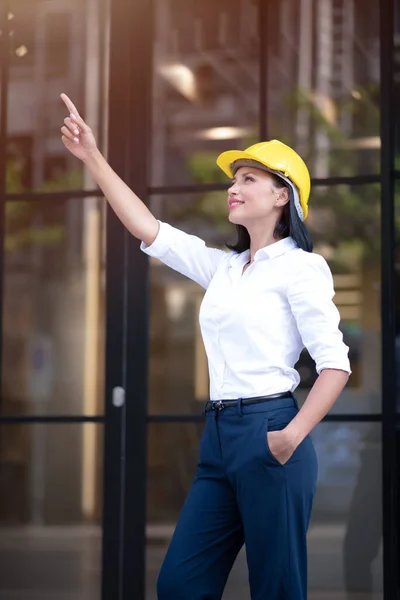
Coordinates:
column 265, row 300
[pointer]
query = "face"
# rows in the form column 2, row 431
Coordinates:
column 254, row 196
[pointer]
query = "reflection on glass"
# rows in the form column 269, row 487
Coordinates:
column 53, row 313
column 323, row 83
column 172, row 458
column 397, row 288
column 50, row 511
column 347, row 515
column 171, row 463
column 345, row 560
column 178, row 370
column 344, row 222
column 206, row 86
column 51, row 51
column 396, row 81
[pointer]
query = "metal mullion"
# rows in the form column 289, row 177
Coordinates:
column 4, row 78
column 352, row 418
column 335, row 418
column 18, row 419
column 389, row 467
column 137, row 302
column 114, row 452
column 263, row 7
column 213, row 187
column 352, row 181
column 125, row 444
column 175, row 418
column 66, row 195
column 186, row 189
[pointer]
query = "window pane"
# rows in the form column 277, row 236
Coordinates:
column 344, row 222
column 50, row 511
column 178, row 372
column 345, row 554
column 397, row 288
column 53, row 313
column 396, row 82
column 51, row 52
column 323, row 83
column 345, row 557
column 345, row 225
column 206, row 86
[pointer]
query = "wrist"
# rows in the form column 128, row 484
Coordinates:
column 93, row 159
column 294, row 433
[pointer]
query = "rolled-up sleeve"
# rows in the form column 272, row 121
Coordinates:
column 185, row 253
column 310, row 295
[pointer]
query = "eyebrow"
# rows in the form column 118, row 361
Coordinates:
column 244, row 175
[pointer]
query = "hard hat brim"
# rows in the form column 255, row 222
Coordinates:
column 225, row 160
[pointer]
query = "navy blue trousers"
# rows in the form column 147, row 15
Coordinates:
column 242, row 495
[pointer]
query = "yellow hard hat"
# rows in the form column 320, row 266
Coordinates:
column 278, row 158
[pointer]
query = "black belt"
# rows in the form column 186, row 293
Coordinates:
column 220, row 404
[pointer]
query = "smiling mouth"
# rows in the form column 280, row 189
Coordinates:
column 235, row 203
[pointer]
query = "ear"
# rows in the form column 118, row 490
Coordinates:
column 283, row 197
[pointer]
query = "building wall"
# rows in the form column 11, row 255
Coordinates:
column 309, row 76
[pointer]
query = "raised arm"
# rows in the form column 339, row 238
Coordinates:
column 185, row 253
column 78, row 138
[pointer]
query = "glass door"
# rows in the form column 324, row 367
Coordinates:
column 53, row 421
column 226, row 75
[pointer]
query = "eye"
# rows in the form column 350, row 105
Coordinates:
column 249, row 178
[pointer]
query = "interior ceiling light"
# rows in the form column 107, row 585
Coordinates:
column 365, row 143
column 180, row 77
column 223, row 133
column 21, row 51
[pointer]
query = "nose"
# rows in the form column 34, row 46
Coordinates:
column 232, row 190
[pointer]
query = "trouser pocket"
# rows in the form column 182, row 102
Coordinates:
column 276, row 421
column 268, row 449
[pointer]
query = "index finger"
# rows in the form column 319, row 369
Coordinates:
column 69, row 104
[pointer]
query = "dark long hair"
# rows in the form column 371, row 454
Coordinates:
column 289, row 224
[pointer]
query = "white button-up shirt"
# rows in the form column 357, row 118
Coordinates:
column 255, row 324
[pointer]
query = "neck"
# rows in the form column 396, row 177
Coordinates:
column 260, row 237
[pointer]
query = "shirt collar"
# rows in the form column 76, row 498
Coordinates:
column 272, row 251
column 278, row 248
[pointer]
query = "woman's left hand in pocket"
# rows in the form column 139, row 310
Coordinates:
column 281, row 445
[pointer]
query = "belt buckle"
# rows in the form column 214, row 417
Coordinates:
column 219, row 405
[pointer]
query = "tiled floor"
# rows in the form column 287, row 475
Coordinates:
column 64, row 564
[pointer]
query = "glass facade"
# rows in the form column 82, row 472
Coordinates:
column 51, row 50
column 53, row 302
column 50, row 510
column 53, row 306
column 205, row 86
column 93, row 480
